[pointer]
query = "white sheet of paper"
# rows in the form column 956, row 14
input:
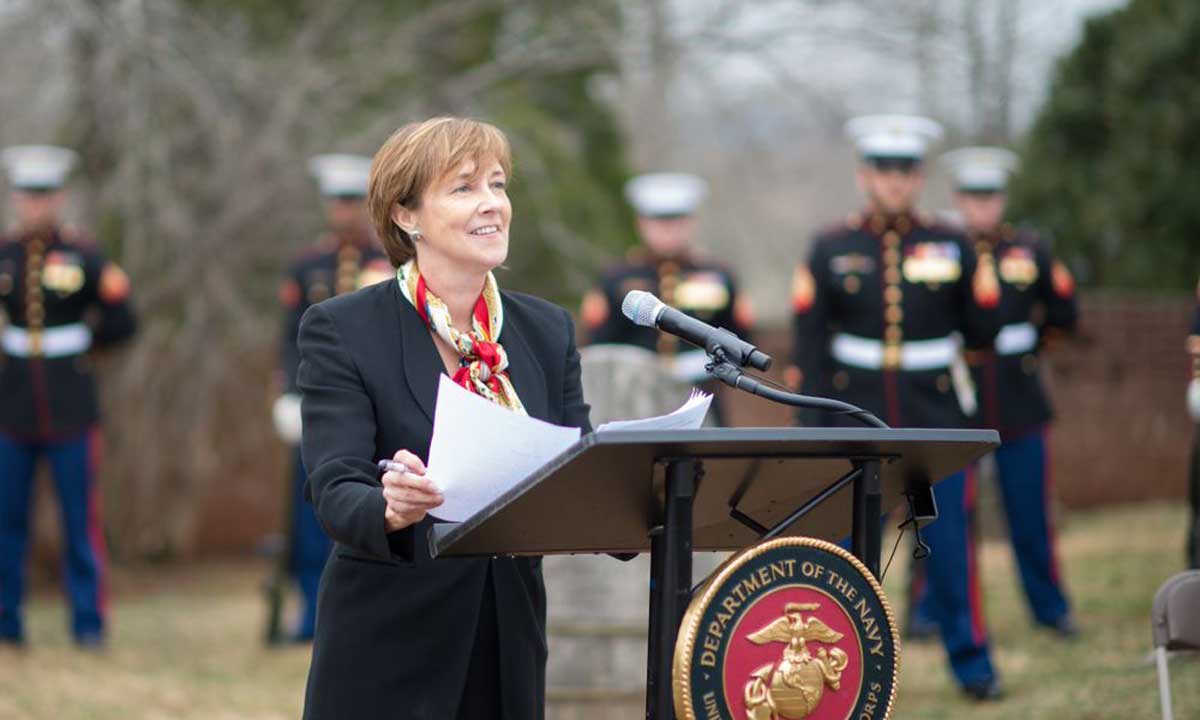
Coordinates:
column 689, row 366
column 689, row 416
column 480, row 449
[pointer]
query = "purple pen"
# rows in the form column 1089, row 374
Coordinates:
column 386, row 465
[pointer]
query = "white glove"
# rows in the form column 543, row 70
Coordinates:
column 286, row 415
column 1193, row 397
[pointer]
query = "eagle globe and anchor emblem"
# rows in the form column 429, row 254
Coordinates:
column 794, row 628
column 792, row 687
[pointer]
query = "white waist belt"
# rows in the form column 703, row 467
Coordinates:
column 60, row 341
column 1016, row 339
column 914, row 355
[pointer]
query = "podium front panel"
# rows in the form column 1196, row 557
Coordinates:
column 605, row 493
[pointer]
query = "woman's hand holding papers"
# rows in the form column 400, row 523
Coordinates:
column 409, row 494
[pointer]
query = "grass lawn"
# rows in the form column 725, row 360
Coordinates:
column 185, row 641
column 1114, row 561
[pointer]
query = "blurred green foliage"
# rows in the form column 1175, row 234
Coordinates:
column 1112, row 164
column 569, row 216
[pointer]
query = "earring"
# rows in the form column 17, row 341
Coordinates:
column 415, row 234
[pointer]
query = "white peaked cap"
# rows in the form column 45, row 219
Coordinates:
column 37, row 167
column 340, row 174
column 665, row 194
column 902, row 136
column 981, row 168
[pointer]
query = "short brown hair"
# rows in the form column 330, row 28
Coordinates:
column 416, row 156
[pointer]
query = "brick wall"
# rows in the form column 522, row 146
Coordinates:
column 1122, row 432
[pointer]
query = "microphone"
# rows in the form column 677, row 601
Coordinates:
column 643, row 309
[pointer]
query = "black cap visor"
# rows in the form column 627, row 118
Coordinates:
column 896, row 163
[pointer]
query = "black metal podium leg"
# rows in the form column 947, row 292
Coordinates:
column 866, row 540
column 670, row 584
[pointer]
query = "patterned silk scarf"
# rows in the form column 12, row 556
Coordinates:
column 482, row 361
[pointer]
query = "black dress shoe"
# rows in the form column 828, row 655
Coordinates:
column 8, row 642
column 1064, row 627
column 920, row 630
column 984, row 691
column 91, row 642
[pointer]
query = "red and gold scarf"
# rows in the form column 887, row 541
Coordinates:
column 483, row 363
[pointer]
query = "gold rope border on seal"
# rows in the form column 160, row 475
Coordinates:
column 685, row 643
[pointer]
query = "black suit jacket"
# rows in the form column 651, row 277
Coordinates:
column 395, row 628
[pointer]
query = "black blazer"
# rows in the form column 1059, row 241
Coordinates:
column 395, row 628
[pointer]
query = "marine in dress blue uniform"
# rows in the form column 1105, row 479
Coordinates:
column 62, row 299
column 1193, row 396
column 1037, row 306
column 878, row 307
column 344, row 259
column 669, row 266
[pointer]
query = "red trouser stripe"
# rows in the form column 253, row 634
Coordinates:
column 975, row 597
column 95, row 524
column 1048, row 505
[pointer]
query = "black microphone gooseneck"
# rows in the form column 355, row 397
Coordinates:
column 733, row 376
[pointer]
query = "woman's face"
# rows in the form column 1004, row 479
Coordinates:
column 463, row 218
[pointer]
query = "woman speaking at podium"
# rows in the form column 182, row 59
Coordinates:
column 401, row 635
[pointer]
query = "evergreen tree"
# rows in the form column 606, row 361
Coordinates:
column 1112, row 164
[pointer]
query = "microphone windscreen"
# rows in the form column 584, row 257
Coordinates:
column 641, row 307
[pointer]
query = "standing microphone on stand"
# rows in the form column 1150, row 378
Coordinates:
column 646, row 310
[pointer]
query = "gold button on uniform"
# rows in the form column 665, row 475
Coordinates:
column 891, row 276
column 891, row 256
column 893, row 314
column 891, row 238
column 666, row 286
column 347, row 269
column 892, row 334
column 852, row 284
column 891, row 357
column 943, row 383
column 892, row 295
